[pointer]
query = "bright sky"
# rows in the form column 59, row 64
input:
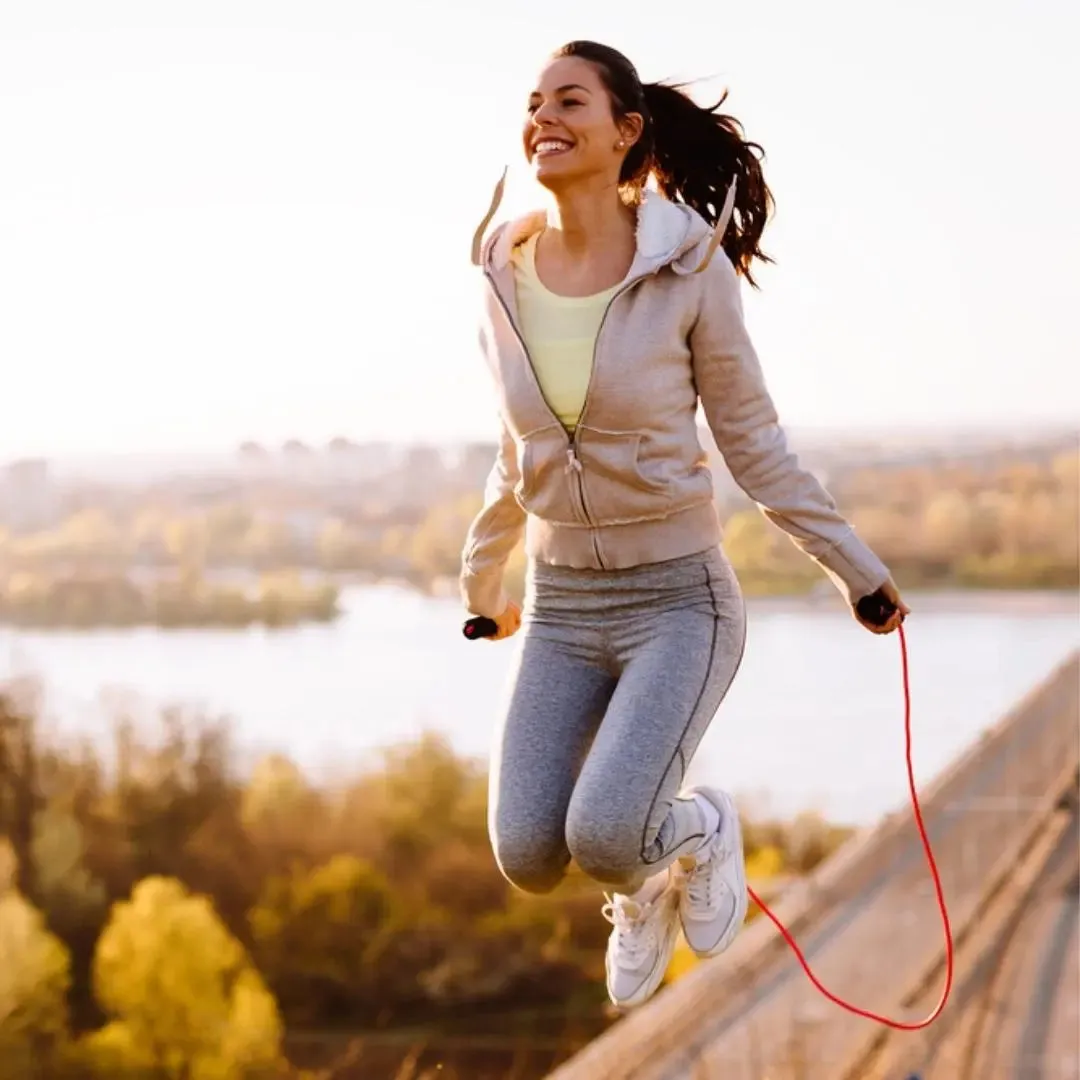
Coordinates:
column 227, row 219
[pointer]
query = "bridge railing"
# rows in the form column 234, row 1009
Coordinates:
column 1034, row 737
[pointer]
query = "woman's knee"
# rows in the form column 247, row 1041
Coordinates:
column 529, row 862
column 605, row 847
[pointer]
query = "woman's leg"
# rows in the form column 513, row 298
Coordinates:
column 677, row 631
column 560, row 689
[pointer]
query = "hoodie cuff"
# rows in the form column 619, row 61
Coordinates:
column 483, row 593
column 854, row 568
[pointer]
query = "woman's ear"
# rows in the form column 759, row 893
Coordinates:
column 630, row 128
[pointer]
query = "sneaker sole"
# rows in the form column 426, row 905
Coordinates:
column 742, row 900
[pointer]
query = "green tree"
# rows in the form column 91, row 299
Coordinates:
column 183, row 994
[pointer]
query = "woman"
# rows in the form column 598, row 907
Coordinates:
column 607, row 319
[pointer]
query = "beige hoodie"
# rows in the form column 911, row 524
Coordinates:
column 632, row 486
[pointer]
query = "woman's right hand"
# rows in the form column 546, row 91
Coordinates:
column 509, row 622
column 892, row 594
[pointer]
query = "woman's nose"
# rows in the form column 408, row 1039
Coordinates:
column 543, row 114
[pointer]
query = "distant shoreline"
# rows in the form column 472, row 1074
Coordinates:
column 824, row 599
column 951, row 600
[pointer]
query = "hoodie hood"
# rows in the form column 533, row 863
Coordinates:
column 667, row 233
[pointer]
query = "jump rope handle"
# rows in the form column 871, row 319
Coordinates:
column 876, row 608
column 480, row 627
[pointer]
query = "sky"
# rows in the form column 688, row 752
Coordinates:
column 233, row 220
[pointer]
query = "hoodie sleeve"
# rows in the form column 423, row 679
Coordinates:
column 744, row 423
column 493, row 535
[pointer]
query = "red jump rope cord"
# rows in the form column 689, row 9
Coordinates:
column 785, row 933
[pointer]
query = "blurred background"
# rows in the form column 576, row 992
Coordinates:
column 244, row 428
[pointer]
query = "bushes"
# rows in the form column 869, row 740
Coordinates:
column 82, row 601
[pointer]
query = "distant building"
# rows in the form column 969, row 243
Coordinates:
column 29, row 499
column 26, row 472
column 252, row 451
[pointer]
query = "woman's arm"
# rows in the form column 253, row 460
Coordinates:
column 747, row 430
column 493, row 535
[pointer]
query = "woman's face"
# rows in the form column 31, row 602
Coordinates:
column 569, row 130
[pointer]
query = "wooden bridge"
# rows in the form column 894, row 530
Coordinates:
column 1003, row 823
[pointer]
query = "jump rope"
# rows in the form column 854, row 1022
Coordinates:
column 876, row 609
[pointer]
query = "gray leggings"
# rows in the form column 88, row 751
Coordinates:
column 618, row 674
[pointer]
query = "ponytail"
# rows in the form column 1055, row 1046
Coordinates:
column 696, row 154
column 693, row 152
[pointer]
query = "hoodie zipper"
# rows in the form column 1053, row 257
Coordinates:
column 573, row 442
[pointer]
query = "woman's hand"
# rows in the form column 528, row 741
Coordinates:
column 509, row 622
column 890, row 592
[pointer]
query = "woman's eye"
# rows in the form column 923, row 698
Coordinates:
column 566, row 103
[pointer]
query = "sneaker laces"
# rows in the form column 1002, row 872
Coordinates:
column 635, row 931
column 703, row 888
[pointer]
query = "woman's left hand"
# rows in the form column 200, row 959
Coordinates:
column 893, row 596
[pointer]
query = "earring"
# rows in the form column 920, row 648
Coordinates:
column 620, row 145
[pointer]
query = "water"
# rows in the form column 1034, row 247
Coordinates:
column 813, row 721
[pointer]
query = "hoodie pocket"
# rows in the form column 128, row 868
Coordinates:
column 544, row 488
column 619, row 486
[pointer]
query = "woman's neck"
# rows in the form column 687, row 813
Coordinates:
column 590, row 220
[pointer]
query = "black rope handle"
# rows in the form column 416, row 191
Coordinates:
column 480, row 627
column 876, row 609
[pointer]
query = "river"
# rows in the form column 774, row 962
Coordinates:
column 814, row 720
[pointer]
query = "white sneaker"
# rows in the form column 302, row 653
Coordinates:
column 712, row 897
column 641, row 945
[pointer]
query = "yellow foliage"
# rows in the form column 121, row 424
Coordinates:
column 113, row 1051
column 182, row 989
column 34, row 978
column 251, row 1040
column 682, row 961
column 766, row 862
column 275, row 790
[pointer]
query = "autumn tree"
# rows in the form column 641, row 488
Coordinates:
column 34, row 976
column 320, row 938
column 182, row 995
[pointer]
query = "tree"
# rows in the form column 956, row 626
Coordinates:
column 282, row 815
column 183, row 994
column 91, row 534
column 319, row 935
column 34, row 978
column 20, row 800
column 947, row 524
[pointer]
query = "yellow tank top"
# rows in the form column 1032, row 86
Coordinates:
column 560, row 334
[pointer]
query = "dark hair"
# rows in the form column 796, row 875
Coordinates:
column 694, row 152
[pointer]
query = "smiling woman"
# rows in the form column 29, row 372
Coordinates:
column 608, row 319
column 591, row 116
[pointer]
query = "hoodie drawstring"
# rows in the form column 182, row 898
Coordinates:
column 721, row 227
column 478, row 236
